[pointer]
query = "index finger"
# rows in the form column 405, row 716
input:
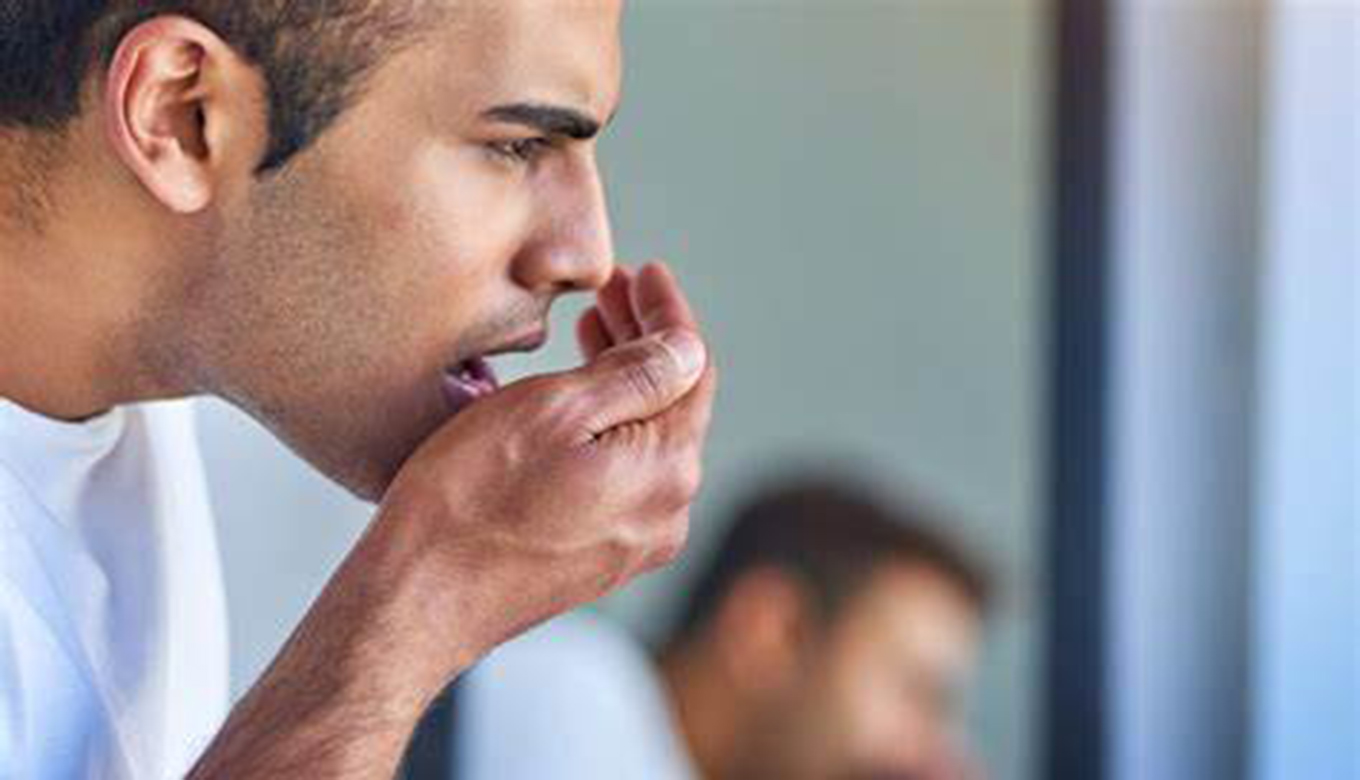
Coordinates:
column 658, row 302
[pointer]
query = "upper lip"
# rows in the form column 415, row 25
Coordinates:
column 529, row 342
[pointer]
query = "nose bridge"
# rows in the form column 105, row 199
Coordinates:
column 577, row 249
column 599, row 229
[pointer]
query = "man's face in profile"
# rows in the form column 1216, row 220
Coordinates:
column 879, row 694
column 346, row 301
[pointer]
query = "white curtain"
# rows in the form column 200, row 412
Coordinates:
column 1234, row 598
column 1306, row 679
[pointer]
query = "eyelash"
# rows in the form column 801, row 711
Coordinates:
column 521, row 151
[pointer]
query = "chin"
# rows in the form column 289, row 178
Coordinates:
column 370, row 469
column 366, row 484
column 360, row 452
column 364, row 475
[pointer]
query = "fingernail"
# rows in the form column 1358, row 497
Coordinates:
column 688, row 349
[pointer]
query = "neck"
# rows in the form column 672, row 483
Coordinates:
column 68, row 322
column 76, row 282
column 702, row 703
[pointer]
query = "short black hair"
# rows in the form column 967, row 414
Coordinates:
column 313, row 54
column 831, row 535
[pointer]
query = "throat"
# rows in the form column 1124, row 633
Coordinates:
column 62, row 361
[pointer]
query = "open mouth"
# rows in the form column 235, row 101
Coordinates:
column 469, row 382
column 473, row 379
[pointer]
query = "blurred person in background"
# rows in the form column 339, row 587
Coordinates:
column 832, row 637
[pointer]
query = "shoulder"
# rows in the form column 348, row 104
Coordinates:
column 576, row 663
column 577, row 697
column 47, row 704
column 35, row 636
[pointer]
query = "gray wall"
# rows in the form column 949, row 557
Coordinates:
column 852, row 191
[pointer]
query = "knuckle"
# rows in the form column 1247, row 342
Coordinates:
column 690, row 478
column 672, row 542
column 559, row 415
column 682, row 484
column 649, row 376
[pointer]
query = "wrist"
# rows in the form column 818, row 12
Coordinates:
column 431, row 604
column 349, row 686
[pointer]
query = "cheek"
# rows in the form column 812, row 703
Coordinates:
column 453, row 225
column 429, row 247
column 882, row 727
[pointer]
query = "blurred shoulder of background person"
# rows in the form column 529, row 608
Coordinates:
column 833, row 635
column 576, row 698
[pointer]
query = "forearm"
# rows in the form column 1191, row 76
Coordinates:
column 346, row 692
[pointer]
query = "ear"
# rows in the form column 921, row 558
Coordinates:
column 765, row 627
column 183, row 111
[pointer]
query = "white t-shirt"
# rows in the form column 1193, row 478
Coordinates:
column 113, row 646
column 576, row 699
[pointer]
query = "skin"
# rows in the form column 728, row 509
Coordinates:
column 328, row 300
column 772, row 692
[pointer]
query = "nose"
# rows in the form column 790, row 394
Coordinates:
column 572, row 247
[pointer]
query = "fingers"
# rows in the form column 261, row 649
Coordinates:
column 632, row 305
column 616, row 308
column 658, row 302
column 660, row 306
column 639, row 342
column 636, row 381
column 593, row 334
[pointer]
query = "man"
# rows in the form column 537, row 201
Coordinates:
column 831, row 639
column 330, row 214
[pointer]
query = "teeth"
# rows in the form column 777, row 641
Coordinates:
column 469, row 381
column 475, row 373
column 463, row 372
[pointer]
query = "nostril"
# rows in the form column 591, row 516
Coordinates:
column 585, row 276
column 563, row 262
column 596, row 266
column 600, row 278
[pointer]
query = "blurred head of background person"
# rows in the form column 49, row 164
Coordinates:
column 832, row 637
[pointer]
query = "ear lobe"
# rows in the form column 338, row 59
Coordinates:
column 158, row 104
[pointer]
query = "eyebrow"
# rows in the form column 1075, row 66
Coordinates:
column 547, row 119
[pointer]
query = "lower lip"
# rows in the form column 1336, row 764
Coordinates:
column 466, row 387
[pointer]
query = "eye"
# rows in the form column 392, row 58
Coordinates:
column 522, row 150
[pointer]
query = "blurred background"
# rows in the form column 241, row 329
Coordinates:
column 1080, row 274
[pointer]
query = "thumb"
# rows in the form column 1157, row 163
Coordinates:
column 640, row 379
